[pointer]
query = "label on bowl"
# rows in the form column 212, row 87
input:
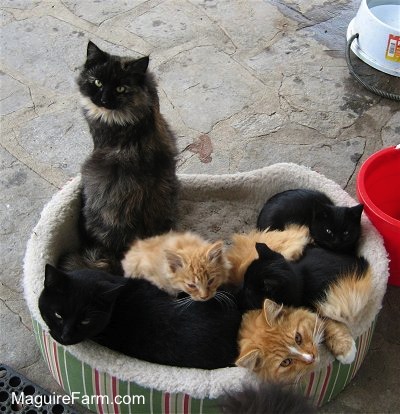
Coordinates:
column 393, row 48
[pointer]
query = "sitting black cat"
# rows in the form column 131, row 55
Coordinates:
column 332, row 227
column 134, row 317
column 301, row 283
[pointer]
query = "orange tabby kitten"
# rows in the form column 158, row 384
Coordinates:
column 289, row 242
column 282, row 343
column 177, row 262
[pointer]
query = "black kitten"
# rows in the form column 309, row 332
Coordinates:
column 129, row 183
column 134, row 317
column 332, row 227
column 300, row 283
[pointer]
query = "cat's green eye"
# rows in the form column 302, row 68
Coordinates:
column 286, row 362
column 85, row 322
column 298, row 338
column 98, row 83
column 120, row 89
column 57, row 315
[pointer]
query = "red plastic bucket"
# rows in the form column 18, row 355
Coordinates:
column 378, row 188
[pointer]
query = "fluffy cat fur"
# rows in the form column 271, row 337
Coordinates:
column 265, row 399
column 134, row 317
column 289, row 242
column 179, row 262
column 129, row 185
column 332, row 227
column 279, row 343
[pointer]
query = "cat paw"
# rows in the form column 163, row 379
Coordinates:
column 348, row 357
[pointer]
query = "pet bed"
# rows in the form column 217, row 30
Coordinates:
column 215, row 206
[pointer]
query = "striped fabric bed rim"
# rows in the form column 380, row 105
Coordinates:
column 106, row 394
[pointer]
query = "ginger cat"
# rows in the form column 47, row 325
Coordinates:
column 289, row 242
column 179, row 262
column 282, row 343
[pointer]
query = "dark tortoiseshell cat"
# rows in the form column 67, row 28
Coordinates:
column 129, row 185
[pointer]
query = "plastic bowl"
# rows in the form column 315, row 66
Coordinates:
column 378, row 24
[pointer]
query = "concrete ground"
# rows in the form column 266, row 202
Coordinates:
column 243, row 83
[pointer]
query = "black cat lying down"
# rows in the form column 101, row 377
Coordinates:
column 134, row 317
column 332, row 227
column 302, row 283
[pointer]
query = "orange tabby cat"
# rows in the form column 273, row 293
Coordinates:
column 179, row 262
column 289, row 242
column 282, row 343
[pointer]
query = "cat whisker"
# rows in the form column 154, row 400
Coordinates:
column 223, row 297
column 184, row 303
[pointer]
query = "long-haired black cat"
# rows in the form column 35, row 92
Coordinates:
column 129, row 185
column 332, row 227
column 301, row 283
column 134, row 317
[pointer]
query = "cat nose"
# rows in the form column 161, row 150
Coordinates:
column 310, row 359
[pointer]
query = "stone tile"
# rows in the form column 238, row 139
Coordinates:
column 15, row 349
column 60, row 139
column 23, row 197
column 324, row 157
column 171, row 24
column 20, row 4
column 51, row 51
column 13, row 95
column 391, row 131
column 96, row 11
column 245, row 22
column 206, row 86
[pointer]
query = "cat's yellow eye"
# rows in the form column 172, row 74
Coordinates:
column 286, row 362
column 120, row 89
column 57, row 315
column 98, row 83
column 85, row 322
column 298, row 339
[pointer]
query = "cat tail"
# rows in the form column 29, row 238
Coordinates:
column 265, row 399
column 348, row 299
column 95, row 258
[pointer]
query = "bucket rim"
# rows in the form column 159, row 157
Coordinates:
column 362, row 191
column 392, row 28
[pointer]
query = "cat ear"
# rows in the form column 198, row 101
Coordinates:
column 357, row 210
column 214, row 253
column 174, row 260
column 264, row 252
column 95, row 54
column 54, row 279
column 271, row 311
column 138, row 65
column 251, row 360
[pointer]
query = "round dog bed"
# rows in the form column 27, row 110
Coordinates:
column 215, row 207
